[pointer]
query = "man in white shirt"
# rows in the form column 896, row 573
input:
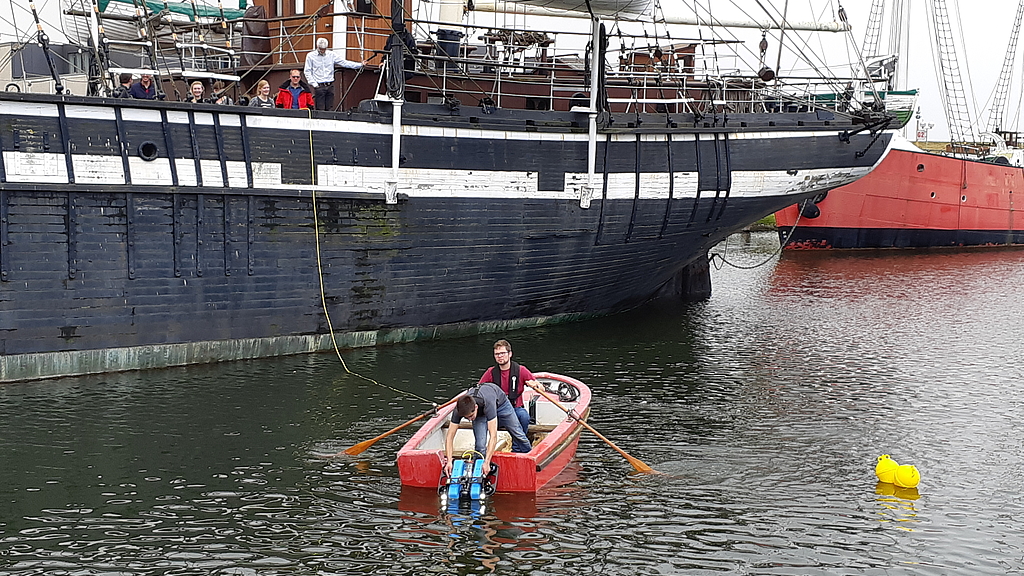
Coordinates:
column 319, row 72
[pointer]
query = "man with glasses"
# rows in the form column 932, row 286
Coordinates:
column 510, row 377
column 294, row 93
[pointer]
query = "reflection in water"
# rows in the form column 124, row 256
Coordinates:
column 896, row 504
column 517, row 520
column 765, row 406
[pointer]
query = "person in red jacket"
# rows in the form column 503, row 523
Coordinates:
column 294, row 93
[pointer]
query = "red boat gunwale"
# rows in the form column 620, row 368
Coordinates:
column 421, row 467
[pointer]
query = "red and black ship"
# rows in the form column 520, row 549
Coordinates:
column 915, row 199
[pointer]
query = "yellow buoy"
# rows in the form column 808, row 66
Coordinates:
column 907, row 476
column 886, row 468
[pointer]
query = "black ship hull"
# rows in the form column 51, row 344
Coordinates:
column 146, row 234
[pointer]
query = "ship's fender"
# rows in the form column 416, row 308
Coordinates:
column 810, row 211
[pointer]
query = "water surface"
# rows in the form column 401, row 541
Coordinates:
column 764, row 407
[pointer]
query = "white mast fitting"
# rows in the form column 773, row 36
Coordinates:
column 587, row 193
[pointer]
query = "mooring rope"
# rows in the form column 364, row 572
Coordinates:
column 320, row 275
column 771, row 256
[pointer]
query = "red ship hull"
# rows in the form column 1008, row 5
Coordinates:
column 914, row 200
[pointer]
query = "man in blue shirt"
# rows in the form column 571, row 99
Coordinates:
column 144, row 89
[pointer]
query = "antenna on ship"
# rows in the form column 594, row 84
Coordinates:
column 44, row 43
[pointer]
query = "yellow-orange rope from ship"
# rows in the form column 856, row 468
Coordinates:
column 320, row 272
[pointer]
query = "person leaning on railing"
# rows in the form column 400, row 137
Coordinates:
column 294, row 93
column 262, row 98
column 319, row 70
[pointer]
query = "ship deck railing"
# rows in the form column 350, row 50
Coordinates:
column 532, row 69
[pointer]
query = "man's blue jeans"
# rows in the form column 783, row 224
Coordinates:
column 524, row 418
column 507, row 419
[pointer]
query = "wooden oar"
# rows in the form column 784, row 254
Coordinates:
column 636, row 463
column 362, row 446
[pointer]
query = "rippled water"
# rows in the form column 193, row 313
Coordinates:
column 764, row 407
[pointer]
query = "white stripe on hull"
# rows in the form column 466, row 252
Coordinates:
column 33, row 167
column 39, row 167
column 98, row 169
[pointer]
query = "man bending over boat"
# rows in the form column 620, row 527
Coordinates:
column 510, row 377
column 487, row 407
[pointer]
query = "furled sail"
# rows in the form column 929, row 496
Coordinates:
column 642, row 10
column 600, row 7
column 117, row 16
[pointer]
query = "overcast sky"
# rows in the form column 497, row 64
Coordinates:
column 986, row 35
column 986, row 32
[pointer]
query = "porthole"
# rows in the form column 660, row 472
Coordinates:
column 148, row 151
column 920, row 167
column 963, row 198
column 933, row 194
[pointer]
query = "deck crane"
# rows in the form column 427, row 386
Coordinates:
column 1002, row 91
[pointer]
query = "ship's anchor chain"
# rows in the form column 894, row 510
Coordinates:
column 721, row 257
column 876, row 129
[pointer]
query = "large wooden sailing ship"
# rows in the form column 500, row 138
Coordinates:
column 483, row 181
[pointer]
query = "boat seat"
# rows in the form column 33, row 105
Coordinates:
column 533, row 427
column 464, row 442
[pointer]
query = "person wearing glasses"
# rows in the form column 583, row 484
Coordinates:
column 511, row 378
column 294, row 93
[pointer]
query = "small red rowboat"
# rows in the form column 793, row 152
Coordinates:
column 554, row 438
